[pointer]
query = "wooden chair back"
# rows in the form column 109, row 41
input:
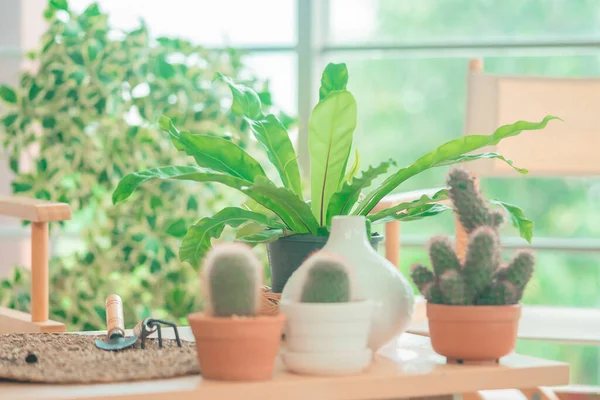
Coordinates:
column 568, row 148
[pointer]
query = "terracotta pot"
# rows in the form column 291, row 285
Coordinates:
column 477, row 334
column 237, row 349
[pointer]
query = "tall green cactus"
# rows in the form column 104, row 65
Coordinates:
column 481, row 279
column 232, row 279
column 328, row 280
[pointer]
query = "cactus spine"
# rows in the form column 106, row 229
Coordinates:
column 480, row 279
column 232, row 279
column 328, row 280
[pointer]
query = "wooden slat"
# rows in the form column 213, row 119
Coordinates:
column 579, row 326
column 406, row 368
column 13, row 321
column 33, row 209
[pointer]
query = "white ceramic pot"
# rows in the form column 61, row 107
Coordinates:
column 340, row 363
column 327, row 338
column 326, row 327
column 378, row 280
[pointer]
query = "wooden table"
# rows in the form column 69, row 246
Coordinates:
column 406, row 368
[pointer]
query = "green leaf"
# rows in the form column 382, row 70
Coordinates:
column 9, row 119
column 93, row 48
column 334, row 78
column 197, row 241
column 34, row 90
column 76, row 57
column 270, row 132
column 132, row 181
column 92, row 10
column 253, row 205
column 423, row 200
column 518, row 219
column 416, row 213
column 352, row 171
column 192, row 203
column 7, row 94
column 473, row 157
column 245, row 100
column 217, row 153
column 249, row 228
column 452, row 152
column 330, row 130
column 163, row 68
column 177, row 228
column 285, row 204
column 265, row 236
column 341, row 203
column 59, row 4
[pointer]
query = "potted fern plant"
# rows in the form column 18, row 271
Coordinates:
column 473, row 300
column 327, row 326
column 233, row 342
column 282, row 213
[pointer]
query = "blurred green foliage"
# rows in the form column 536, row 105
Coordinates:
column 408, row 103
column 84, row 117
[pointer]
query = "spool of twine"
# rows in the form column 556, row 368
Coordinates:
column 269, row 302
column 462, row 237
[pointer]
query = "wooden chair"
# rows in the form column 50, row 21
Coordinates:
column 40, row 213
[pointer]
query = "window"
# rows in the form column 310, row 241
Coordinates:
column 408, row 62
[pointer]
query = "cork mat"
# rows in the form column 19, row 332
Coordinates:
column 68, row 358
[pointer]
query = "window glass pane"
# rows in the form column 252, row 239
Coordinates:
column 280, row 71
column 409, row 106
column 211, row 23
column 464, row 20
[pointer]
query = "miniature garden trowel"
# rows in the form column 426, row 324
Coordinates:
column 115, row 333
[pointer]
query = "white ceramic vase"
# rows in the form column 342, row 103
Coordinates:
column 377, row 280
column 327, row 338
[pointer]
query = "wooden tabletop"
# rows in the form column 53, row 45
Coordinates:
column 407, row 367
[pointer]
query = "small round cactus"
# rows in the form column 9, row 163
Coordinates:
column 232, row 280
column 328, row 279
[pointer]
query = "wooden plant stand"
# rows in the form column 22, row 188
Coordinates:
column 406, row 368
column 40, row 213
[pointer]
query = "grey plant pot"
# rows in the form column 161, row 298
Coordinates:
column 289, row 252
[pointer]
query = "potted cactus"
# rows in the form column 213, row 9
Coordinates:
column 327, row 328
column 473, row 298
column 233, row 342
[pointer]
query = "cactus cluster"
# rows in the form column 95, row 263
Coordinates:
column 481, row 279
column 232, row 280
column 328, row 280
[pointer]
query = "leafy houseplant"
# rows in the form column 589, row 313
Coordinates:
column 82, row 118
column 327, row 326
column 275, row 212
column 233, row 342
column 478, row 297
